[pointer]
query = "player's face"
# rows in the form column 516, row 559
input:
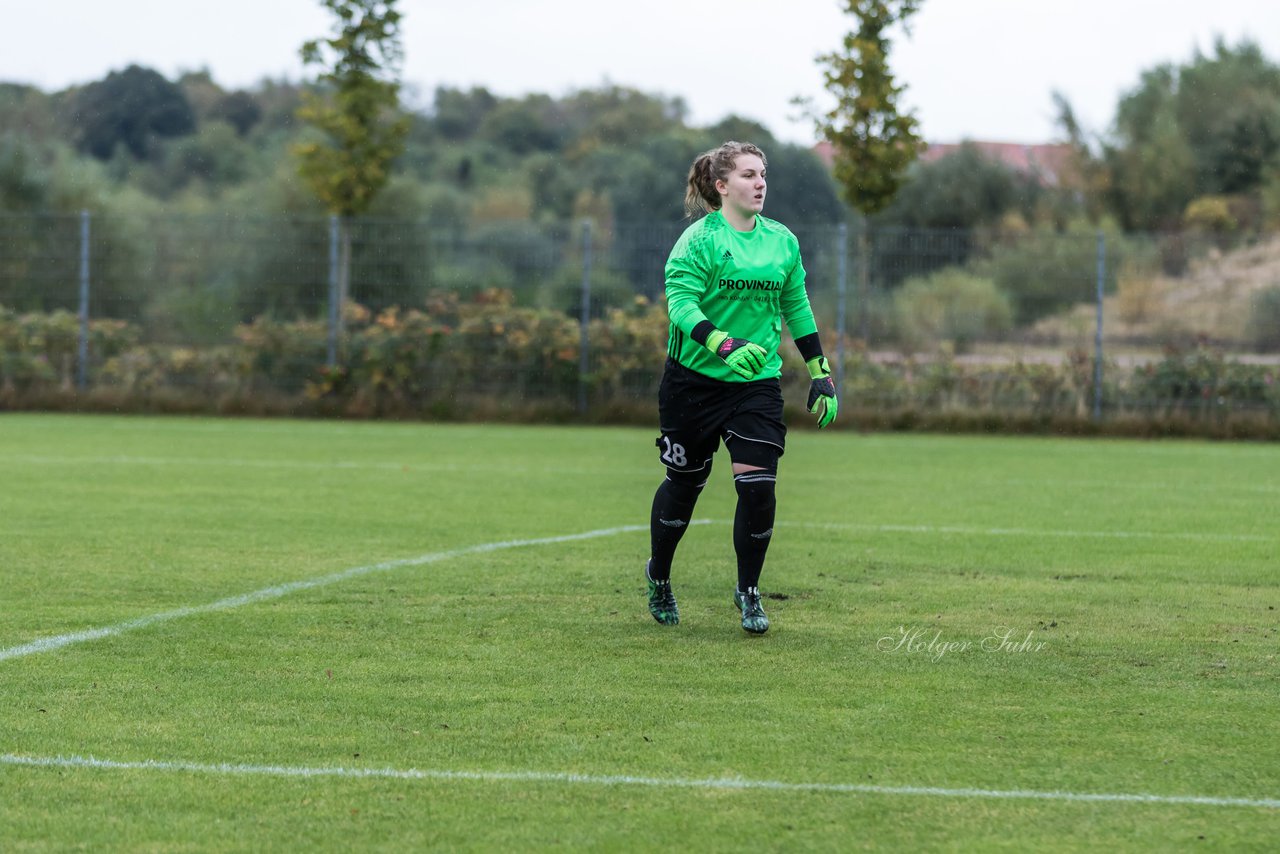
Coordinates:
column 742, row 191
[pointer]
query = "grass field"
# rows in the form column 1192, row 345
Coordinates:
column 285, row 635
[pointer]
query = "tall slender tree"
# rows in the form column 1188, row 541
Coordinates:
column 356, row 107
column 873, row 141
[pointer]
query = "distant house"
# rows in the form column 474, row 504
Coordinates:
column 1049, row 163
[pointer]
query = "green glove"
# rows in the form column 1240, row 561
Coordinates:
column 746, row 359
column 822, row 391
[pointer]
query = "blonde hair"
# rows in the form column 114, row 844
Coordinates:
column 701, row 195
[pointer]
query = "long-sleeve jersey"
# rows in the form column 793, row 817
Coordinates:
column 746, row 283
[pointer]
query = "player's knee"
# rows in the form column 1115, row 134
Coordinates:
column 686, row 486
column 756, row 487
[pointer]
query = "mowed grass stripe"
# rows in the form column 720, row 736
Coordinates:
column 1207, row 536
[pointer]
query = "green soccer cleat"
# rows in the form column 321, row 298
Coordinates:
column 662, row 602
column 753, row 618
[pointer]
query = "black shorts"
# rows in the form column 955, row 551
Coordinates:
column 696, row 413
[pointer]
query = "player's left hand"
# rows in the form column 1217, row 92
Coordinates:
column 822, row 391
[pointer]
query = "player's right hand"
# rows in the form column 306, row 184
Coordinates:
column 746, row 359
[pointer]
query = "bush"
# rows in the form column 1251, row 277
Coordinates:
column 145, row 373
column 1211, row 214
column 626, row 351
column 280, row 358
column 1045, row 272
column 487, row 357
column 1202, row 384
column 42, row 349
column 953, row 306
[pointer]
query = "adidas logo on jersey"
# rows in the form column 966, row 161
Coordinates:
column 727, row 256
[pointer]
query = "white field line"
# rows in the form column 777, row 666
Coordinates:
column 1033, row 532
column 565, row 777
column 275, row 592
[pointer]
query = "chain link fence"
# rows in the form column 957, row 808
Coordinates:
column 569, row 318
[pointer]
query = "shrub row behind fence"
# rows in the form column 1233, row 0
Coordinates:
column 487, row 357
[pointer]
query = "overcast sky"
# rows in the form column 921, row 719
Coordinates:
column 975, row 69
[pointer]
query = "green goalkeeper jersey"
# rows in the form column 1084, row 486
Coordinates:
column 745, row 282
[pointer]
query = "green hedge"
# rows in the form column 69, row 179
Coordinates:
column 485, row 356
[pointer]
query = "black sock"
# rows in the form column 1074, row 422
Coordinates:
column 753, row 523
column 672, row 511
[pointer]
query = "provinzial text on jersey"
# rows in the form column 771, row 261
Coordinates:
column 750, row 285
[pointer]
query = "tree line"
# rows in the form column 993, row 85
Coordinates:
column 1191, row 145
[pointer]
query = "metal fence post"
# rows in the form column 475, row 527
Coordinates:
column 842, row 287
column 1097, row 339
column 332, row 350
column 82, row 345
column 864, row 280
column 584, row 343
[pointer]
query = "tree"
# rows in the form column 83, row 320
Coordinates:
column 1151, row 163
column 238, row 109
column 525, row 126
column 23, row 180
column 1087, row 173
column 617, row 115
column 801, row 190
column 1206, row 128
column 1229, row 108
column 458, row 114
column 873, row 142
column 357, row 109
column 950, row 204
column 33, row 111
column 130, row 108
column 964, row 191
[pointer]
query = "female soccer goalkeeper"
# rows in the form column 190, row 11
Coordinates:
column 732, row 278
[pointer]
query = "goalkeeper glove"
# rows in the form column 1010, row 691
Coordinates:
column 822, row 391
column 746, row 359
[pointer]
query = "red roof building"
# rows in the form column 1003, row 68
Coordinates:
column 1050, row 163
